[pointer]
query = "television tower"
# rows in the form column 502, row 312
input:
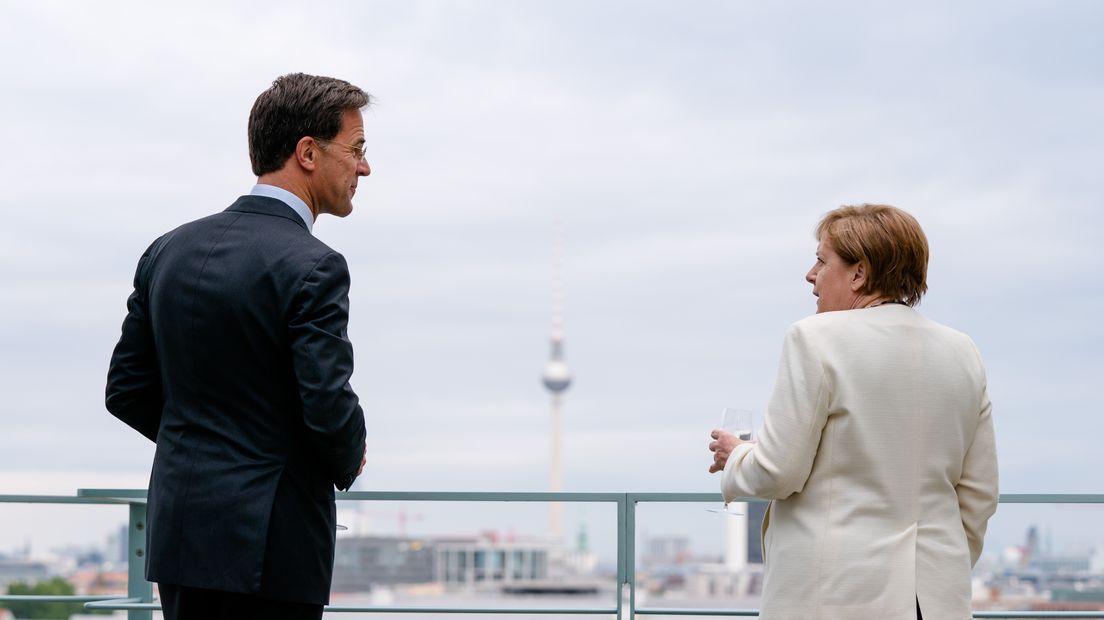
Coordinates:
column 556, row 378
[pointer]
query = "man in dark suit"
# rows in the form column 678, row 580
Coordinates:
column 234, row 358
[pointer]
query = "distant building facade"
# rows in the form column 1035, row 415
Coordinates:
column 465, row 563
column 362, row 563
column 21, row 569
column 756, row 512
column 665, row 550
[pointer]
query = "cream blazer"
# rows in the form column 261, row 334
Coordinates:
column 877, row 448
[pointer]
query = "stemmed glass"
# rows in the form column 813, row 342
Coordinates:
column 738, row 422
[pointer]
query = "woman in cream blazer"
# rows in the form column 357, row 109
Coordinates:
column 877, row 446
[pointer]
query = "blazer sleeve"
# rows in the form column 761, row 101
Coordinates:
column 977, row 489
column 134, row 392
column 322, row 357
column 779, row 462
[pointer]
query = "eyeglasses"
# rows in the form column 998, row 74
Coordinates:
column 356, row 151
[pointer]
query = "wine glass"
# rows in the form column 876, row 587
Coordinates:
column 738, row 422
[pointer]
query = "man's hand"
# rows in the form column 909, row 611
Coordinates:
column 363, row 460
column 721, row 447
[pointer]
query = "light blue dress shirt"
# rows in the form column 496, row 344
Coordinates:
column 288, row 198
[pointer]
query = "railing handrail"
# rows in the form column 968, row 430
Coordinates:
column 122, row 495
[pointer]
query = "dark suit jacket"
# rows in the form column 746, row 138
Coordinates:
column 234, row 359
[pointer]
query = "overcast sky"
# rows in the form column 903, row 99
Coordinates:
column 686, row 149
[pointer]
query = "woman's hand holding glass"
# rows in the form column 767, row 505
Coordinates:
column 736, row 428
column 722, row 445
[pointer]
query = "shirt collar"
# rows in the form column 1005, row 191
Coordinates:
column 296, row 203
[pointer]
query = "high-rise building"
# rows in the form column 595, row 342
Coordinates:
column 756, row 511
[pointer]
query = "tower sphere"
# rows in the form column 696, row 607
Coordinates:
column 556, row 376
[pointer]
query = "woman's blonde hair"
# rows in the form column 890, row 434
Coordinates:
column 888, row 241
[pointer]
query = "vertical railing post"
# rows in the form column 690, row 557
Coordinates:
column 622, row 500
column 137, row 586
column 630, row 551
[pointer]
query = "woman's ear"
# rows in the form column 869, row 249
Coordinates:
column 858, row 277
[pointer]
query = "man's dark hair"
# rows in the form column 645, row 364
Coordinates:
column 297, row 105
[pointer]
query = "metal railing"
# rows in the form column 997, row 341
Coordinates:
column 139, row 602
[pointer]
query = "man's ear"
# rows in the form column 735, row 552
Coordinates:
column 306, row 153
column 858, row 278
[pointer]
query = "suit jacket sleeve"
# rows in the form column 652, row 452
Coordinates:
column 322, row 357
column 134, row 393
column 779, row 463
column 977, row 489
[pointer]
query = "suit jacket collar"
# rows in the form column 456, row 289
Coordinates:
column 264, row 205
